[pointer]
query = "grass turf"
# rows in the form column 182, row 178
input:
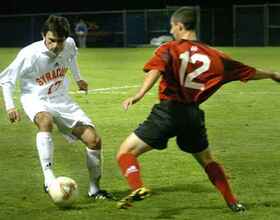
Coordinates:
column 243, row 127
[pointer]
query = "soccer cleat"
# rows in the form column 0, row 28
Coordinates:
column 136, row 195
column 102, row 194
column 236, row 207
column 46, row 188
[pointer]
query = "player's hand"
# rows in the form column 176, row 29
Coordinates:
column 13, row 115
column 276, row 77
column 130, row 101
column 83, row 86
column 127, row 103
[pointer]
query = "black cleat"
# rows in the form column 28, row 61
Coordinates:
column 102, row 194
column 46, row 188
column 237, row 207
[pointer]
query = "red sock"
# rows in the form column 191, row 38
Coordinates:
column 131, row 170
column 218, row 178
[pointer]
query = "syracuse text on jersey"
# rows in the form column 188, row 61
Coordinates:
column 54, row 74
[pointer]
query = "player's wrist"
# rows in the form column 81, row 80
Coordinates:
column 11, row 109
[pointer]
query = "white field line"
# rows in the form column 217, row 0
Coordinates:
column 119, row 88
column 250, row 93
column 100, row 90
column 105, row 90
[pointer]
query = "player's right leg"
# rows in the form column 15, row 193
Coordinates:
column 44, row 143
column 38, row 112
column 127, row 155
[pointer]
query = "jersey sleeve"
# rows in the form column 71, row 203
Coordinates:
column 9, row 76
column 159, row 60
column 73, row 63
column 235, row 70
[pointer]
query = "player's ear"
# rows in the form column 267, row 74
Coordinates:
column 181, row 26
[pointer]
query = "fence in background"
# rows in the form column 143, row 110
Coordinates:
column 256, row 25
column 110, row 28
column 240, row 25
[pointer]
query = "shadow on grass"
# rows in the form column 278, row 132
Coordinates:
column 173, row 212
column 262, row 204
column 76, row 207
column 192, row 188
column 169, row 209
column 87, row 203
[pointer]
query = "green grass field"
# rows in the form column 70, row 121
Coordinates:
column 243, row 126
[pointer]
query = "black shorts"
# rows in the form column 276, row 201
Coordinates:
column 170, row 119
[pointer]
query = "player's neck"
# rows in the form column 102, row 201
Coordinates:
column 189, row 35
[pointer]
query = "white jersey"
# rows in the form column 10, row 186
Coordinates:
column 39, row 71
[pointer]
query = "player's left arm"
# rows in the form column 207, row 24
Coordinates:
column 150, row 79
column 264, row 74
column 82, row 84
column 74, row 67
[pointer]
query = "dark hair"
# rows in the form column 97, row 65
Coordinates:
column 58, row 25
column 186, row 16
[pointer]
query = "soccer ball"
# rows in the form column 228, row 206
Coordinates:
column 63, row 191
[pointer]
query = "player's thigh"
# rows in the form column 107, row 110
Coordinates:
column 193, row 135
column 133, row 145
column 159, row 126
column 69, row 115
column 33, row 105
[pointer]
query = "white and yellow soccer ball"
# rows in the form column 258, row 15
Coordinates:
column 63, row 191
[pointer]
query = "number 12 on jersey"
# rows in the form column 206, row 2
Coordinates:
column 187, row 79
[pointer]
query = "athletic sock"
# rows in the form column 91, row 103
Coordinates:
column 45, row 150
column 94, row 169
column 130, row 168
column 217, row 176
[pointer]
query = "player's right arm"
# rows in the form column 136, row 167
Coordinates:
column 154, row 68
column 150, row 79
column 265, row 74
column 8, row 78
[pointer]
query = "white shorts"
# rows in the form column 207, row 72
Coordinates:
column 66, row 113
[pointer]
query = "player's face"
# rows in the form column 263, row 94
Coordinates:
column 54, row 43
column 175, row 30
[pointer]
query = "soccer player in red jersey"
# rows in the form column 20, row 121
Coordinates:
column 189, row 72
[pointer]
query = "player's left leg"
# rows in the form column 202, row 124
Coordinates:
column 92, row 140
column 193, row 139
column 218, row 177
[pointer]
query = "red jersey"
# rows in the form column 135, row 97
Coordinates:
column 192, row 71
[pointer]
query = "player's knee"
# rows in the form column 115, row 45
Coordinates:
column 119, row 155
column 122, row 150
column 204, row 157
column 44, row 121
column 125, row 148
column 94, row 143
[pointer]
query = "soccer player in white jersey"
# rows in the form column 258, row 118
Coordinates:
column 41, row 68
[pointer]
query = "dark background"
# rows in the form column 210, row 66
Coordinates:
column 222, row 24
column 49, row 6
